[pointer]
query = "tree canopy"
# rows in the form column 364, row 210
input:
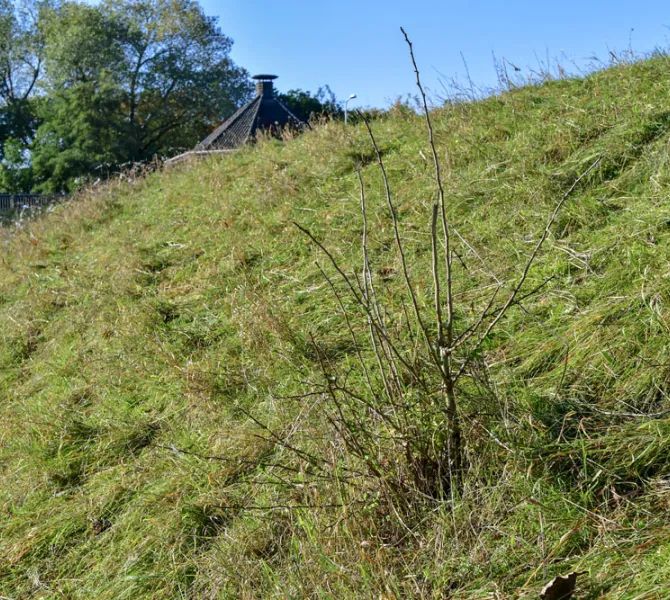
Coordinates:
column 308, row 106
column 85, row 88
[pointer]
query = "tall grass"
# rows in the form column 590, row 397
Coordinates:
column 163, row 427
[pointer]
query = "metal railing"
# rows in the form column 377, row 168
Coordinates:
column 12, row 202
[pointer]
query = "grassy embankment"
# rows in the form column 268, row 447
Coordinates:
column 150, row 331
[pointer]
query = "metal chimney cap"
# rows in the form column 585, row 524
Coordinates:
column 264, row 77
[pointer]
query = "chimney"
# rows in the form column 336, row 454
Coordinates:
column 264, row 85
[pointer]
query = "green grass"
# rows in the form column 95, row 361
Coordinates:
column 151, row 332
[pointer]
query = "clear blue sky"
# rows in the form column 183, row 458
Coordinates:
column 357, row 46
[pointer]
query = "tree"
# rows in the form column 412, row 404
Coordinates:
column 177, row 74
column 81, row 137
column 21, row 65
column 128, row 80
column 15, row 169
column 82, row 126
column 308, row 106
column 82, row 46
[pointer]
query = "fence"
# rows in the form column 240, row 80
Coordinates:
column 13, row 202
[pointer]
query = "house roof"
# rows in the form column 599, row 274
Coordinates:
column 263, row 113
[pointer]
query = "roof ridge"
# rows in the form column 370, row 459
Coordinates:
column 263, row 113
column 298, row 119
column 211, row 138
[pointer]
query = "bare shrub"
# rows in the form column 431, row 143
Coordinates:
column 397, row 409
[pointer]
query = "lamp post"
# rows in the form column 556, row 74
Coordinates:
column 346, row 111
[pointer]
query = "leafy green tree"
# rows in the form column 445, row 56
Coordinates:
column 128, row 80
column 77, row 141
column 308, row 106
column 82, row 129
column 177, row 73
column 15, row 168
column 21, row 66
column 81, row 46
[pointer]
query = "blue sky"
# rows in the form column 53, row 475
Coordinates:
column 358, row 48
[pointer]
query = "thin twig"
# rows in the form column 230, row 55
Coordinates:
column 379, row 328
column 370, row 295
column 401, row 251
column 441, row 203
column 527, row 267
column 354, row 340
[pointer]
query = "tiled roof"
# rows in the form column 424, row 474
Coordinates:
column 235, row 131
column 264, row 113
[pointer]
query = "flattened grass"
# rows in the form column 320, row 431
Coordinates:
column 150, row 331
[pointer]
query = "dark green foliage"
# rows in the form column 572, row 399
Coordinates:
column 21, row 56
column 308, row 106
column 16, row 174
column 81, row 137
column 119, row 82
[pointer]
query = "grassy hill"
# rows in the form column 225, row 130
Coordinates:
column 167, row 346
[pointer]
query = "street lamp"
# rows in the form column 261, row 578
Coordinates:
column 346, row 112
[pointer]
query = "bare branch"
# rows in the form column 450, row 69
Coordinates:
column 359, row 299
column 396, row 230
column 440, row 188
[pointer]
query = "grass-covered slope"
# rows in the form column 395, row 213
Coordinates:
column 159, row 386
